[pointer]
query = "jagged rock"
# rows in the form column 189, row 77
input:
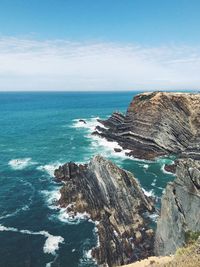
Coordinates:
column 157, row 124
column 180, row 208
column 114, row 198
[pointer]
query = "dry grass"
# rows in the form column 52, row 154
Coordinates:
column 185, row 257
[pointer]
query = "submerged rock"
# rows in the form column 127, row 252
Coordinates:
column 83, row 121
column 157, row 124
column 180, row 209
column 116, row 149
column 171, row 168
column 114, row 198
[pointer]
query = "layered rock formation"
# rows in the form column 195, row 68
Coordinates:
column 180, row 209
column 114, row 198
column 157, row 124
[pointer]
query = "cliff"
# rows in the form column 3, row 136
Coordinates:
column 114, row 198
column 180, row 214
column 157, row 124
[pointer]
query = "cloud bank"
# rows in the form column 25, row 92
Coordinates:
column 27, row 64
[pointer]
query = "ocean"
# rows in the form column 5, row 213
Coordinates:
column 38, row 132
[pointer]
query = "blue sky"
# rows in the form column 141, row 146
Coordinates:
column 99, row 44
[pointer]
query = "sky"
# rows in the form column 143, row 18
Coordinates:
column 99, row 45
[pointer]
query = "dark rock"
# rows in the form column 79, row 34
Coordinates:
column 114, row 198
column 180, row 208
column 170, row 168
column 81, row 120
column 117, row 149
column 157, row 124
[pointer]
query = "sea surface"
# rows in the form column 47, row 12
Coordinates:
column 38, row 132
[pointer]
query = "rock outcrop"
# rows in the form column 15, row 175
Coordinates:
column 180, row 209
column 157, row 124
column 114, row 198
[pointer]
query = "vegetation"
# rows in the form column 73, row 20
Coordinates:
column 191, row 237
column 188, row 256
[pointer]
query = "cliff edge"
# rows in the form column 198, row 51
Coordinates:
column 180, row 208
column 157, row 124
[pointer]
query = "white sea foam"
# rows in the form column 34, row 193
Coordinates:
column 103, row 146
column 87, row 255
column 148, row 193
column 90, row 124
column 166, row 172
column 154, row 182
column 146, row 166
column 154, row 217
column 50, row 168
column 106, row 147
column 20, row 164
column 71, row 217
column 51, row 244
column 14, row 213
column 51, row 197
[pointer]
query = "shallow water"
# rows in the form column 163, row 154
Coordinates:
column 38, row 132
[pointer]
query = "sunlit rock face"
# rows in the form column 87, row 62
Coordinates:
column 180, row 208
column 157, row 124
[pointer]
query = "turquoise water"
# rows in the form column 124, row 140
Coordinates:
column 38, row 132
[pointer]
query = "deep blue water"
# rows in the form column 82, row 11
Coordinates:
column 39, row 131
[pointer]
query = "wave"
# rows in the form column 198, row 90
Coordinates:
column 20, row 164
column 87, row 258
column 146, row 166
column 149, row 193
column 51, row 197
column 90, row 124
column 51, row 244
column 101, row 145
column 49, row 168
column 14, row 213
column 71, row 217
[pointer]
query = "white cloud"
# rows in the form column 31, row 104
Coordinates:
column 27, row 64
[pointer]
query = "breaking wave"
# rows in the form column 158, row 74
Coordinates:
column 51, row 244
column 72, row 218
column 149, row 193
column 51, row 197
column 49, row 168
column 20, row 164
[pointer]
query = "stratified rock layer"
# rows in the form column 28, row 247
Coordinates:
column 114, row 198
column 180, row 209
column 157, row 124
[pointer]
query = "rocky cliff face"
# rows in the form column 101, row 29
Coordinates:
column 157, row 124
column 180, row 210
column 114, row 198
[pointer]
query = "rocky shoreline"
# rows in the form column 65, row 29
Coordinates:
column 113, row 198
column 155, row 124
